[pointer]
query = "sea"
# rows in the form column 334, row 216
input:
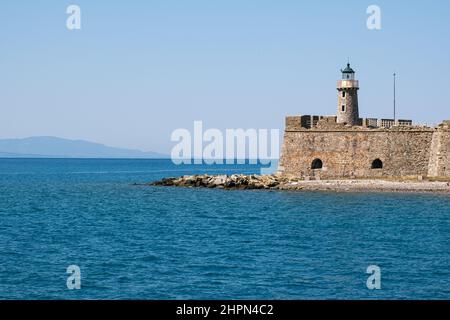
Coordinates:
column 92, row 229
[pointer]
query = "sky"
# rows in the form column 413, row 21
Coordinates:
column 138, row 70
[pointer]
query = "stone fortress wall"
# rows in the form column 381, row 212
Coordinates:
column 357, row 151
column 346, row 146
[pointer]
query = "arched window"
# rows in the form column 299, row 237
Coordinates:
column 317, row 164
column 377, row 164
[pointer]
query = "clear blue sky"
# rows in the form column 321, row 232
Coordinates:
column 137, row 70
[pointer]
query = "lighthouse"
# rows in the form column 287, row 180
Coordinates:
column 348, row 87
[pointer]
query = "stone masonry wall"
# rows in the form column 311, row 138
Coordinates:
column 351, row 113
column 349, row 153
column 439, row 164
column 445, row 152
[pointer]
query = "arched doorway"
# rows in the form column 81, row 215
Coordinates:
column 377, row 164
column 317, row 164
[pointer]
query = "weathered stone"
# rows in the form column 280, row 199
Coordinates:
column 282, row 183
column 351, row 152
column 223, row 181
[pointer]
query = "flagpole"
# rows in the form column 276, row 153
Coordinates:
column 395, row 111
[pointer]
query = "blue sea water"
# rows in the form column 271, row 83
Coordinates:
column 142, row 242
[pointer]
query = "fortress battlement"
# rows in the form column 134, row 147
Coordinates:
column 320, row 123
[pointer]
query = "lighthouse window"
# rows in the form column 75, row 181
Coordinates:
column 343, row 94
column 343, row 108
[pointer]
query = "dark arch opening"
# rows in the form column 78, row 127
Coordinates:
column 317, row 164
column 377, row 164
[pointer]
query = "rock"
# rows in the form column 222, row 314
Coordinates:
column 219, row 180
column 230, row 184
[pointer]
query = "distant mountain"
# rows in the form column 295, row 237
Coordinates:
column 53, row 147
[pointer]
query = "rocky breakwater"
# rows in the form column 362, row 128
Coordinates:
column 279, row 182
column 235, row 181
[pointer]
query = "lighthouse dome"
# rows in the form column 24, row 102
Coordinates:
column 348, row 69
